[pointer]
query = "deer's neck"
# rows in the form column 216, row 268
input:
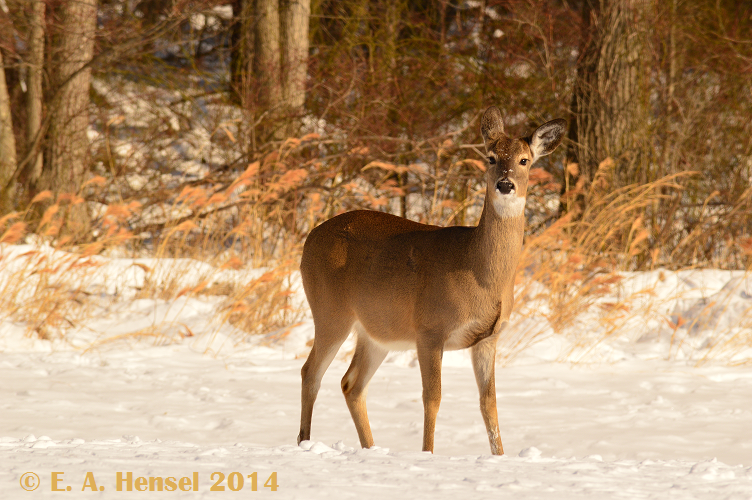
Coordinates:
column 496, row 246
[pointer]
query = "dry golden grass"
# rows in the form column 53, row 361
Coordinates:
column 580, row 260
column 235, row 229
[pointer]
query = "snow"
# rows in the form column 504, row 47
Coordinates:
column 650, row 411
column 638, row 429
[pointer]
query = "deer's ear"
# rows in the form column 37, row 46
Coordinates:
column 547, row 137
column 491, row 125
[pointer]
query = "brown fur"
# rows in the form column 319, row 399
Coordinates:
column 407, row 284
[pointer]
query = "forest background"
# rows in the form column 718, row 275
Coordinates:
column 223, row 132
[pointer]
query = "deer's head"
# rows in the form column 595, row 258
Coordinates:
column 510, row 160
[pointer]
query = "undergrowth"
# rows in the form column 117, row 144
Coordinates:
column 237, row 240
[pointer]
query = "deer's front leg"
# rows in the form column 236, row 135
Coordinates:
column 484, row 365
column 429, row 358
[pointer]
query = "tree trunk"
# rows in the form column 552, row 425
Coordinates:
column 33, row 170
column 7, row 146
column 67, row 157
column 296, row 16
column 609, row 104
column 242, row 40
column 266, row 63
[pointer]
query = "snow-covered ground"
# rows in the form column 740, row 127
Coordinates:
column 640, row 429
column 625, row 422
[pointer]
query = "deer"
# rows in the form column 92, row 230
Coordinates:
column 404, row 285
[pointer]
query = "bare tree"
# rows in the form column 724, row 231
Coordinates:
column 7, row 146
column 242, row 49
column 610, row 103
column 295, row 24
column 267, row 56
column 270, row 55
column 67, row 157
column 34, row 95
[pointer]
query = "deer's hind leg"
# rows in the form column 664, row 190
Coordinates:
column 367, row 358
column 331, row 332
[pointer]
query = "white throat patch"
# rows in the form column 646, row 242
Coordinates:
column 508, row 205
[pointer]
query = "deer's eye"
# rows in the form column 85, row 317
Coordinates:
column 523, row 161
column 492, row 160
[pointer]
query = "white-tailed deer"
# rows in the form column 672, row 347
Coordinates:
column 404, row 285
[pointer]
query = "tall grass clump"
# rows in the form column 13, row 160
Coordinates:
column 50, row 284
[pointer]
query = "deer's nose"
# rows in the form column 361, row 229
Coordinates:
column 505, row 186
